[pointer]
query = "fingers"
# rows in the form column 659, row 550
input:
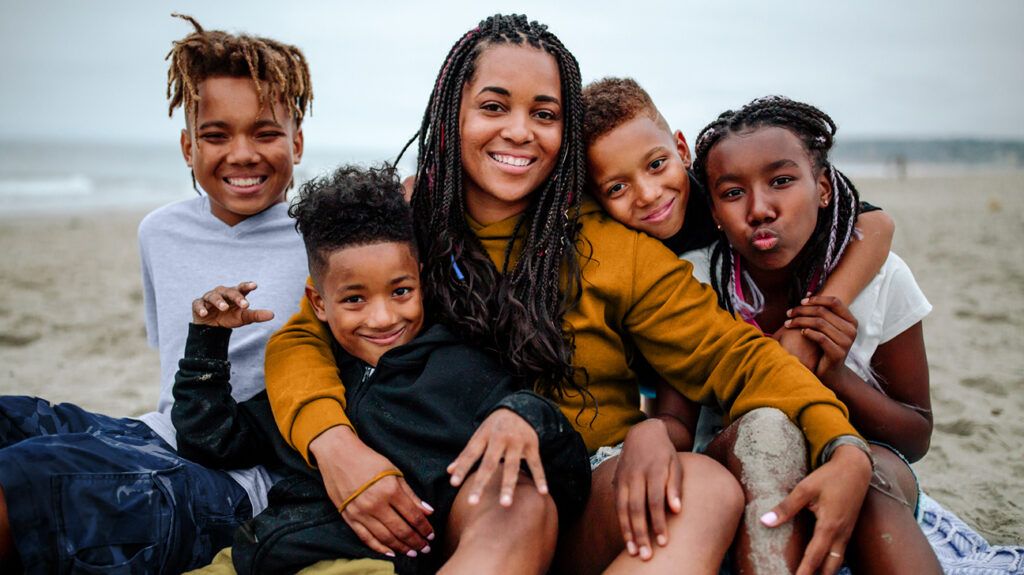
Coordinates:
column 222, row 299
column 414, row 510
column 465, row 461
column 367, row 538
column 377, row 509
column 537, row 469
column 638, row 519
column 788, row 507
column 509, row 476
column 256, row 315
column 825, row 540
column 656, row 508
column 489, row 464
column 622, row 499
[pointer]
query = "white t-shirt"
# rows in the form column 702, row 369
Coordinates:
column 186, row 251
column 888, row 306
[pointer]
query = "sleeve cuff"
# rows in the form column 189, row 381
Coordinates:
column 821, row 423
column 313, row 419
column 207, row 342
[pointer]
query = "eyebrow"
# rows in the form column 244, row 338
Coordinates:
column 503, row 92
column 401, row 279
column 783, row 163
column 222, row 124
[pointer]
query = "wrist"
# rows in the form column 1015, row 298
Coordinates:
column 340, row 438
column 845, row 445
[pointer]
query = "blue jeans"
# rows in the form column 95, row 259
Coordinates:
column 88, row 493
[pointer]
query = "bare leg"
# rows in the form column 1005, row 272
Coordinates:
column 767, row 453
column 698, row 538
column 887, row 538
column 489, row 538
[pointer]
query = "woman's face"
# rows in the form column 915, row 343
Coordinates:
column 765, row 194
column 510, row 124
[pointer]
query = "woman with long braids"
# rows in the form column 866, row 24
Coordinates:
column 517, row 261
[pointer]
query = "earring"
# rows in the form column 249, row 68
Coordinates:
column 719, row 226
column 824, row 203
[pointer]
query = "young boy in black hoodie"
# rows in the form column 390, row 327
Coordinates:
column 419, row 396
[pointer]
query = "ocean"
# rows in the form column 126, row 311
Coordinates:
column 73, row 176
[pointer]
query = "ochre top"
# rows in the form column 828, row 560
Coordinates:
column 638, row 297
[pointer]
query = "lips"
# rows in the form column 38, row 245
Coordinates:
column 384, row 338
column 511, row 161
column 243, row 184
column 660, row 214
column 764, row 239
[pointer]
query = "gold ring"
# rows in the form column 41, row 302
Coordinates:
column 834, row 554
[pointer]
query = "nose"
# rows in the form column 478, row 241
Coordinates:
column 381, row 315
column 761, row 209
column 243, row 152
column 517, row 128
column 647, row 192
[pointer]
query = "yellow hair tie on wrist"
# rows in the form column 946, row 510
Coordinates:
column 367, row 485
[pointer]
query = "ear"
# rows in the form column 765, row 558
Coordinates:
column 317, row 302
column 298, row 143
column 186, row 147
column 824, row 189
column 683, row 148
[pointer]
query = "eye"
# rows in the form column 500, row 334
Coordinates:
column 213, row 137
column 401, row 292
column 731, row 193
column 615, row 190
column 269, row 135
column 546, row 115
column 493, row 107
column 353, row 299
column 657, row 164
column 782, row 180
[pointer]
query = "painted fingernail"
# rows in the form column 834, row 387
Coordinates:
column 789, row 313
column 390, row 554
column 769, row 518
column 431, row 536
column 631, row 547
column 222, row 305
column 677, row 502
column 427, row 506
column 411, row 553
column 788, row 323
column 543, row 488
column 805, row 301
column 455, row 480
column 474, row 499
column 645, row 553
column 662, row 540
column 506, row 500
column 244, row 303
column 426, row 549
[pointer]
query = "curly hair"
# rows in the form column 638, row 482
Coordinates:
column 208, row 53
column 351, row 206
column 835, row 226
column 516, row 311
column 610, row 102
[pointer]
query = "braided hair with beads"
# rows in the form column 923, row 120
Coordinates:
column 836, row 221
column 517, row 310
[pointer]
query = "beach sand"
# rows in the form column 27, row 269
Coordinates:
column 71, row 326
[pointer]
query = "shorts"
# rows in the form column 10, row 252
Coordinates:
column 88, row 493
column 604, row 454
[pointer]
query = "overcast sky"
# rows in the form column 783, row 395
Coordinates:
column 938, row 68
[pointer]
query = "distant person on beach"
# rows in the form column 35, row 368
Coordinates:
column 518, row 261
column 82, row 491
column 418, row 394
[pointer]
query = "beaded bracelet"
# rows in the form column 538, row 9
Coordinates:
column 367, row 485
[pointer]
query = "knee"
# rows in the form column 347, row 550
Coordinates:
column 708, row 482
column 770, row 450
column 894, row 474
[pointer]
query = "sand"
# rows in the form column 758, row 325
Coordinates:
column 71, row 326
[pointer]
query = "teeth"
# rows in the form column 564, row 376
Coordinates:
column 511, row 160
column 244, row 182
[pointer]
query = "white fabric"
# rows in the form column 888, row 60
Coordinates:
column 186, row 251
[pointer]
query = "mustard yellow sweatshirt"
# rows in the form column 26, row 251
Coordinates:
column 638, row 297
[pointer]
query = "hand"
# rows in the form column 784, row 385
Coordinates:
column 503, row 438
column 799, row 346
column 648, row 475
column 828, row 323
column 833, row 493
column 227, row 307
column 388, row 517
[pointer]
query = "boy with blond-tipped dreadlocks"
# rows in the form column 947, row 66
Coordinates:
column 81, row 490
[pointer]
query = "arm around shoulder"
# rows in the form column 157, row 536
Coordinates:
column 305, row 390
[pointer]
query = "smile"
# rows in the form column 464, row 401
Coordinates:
column 660, row 214
column 246, row 182
column 384, row 339
column 514, row 161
